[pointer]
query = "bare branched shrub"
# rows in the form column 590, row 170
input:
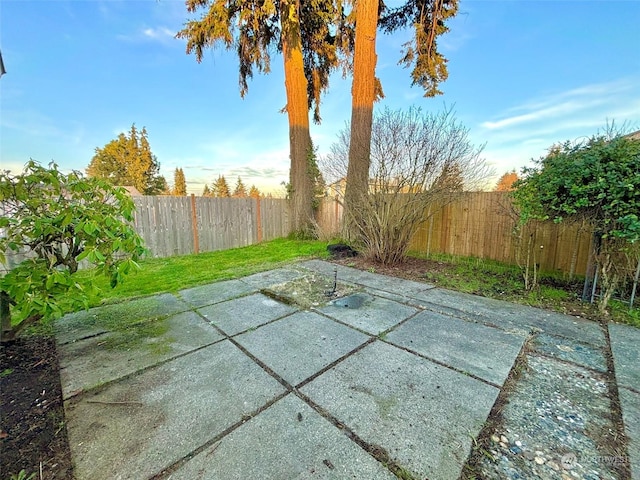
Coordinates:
column 418, row 160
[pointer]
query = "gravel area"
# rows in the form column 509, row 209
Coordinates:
column 554, row 419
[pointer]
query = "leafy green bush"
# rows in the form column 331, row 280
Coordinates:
column 596, row 181
column 53, row 221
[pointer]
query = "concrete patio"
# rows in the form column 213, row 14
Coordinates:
column 223, row 381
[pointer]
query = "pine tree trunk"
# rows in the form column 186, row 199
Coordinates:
column 363, row 97
column 301, row 188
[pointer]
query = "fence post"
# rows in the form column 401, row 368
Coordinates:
column 258, row 219
column 194, row 222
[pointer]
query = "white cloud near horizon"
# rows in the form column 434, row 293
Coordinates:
column 589, row 99
column 526, row 131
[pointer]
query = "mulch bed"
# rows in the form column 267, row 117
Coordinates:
column 33, row 435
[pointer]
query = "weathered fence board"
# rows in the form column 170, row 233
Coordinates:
column 173, row 225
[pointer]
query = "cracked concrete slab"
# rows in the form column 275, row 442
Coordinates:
column 215, row 292
column 625, row 342
column 373, row 315
column 470, row 347
column 272, row 277
column 94, row 361
column 301, row 344
column 424, row 415
column 382, row 283
column 240, row 314
column 308, row 446
column 137, row 427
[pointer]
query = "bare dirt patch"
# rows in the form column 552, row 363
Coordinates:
column 33, row 435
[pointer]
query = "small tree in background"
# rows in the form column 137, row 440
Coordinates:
column 506, row 181
column 179, row 182
column 254, row 192
column 220, row 187
column 240, row 191
column 128, row 161
column 206, row 192
column 596, row 181
column 52, row 221
column 418, row 161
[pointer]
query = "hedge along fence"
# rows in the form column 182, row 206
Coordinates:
column 184, row 225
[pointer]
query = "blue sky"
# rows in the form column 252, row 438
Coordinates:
column 522, row 76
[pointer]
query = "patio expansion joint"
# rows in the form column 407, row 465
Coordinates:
column 630, row 389
column 77, row 395
column 614, row 397
column 598, row 373
column 212, row 443
column 376, row 451
column 193, row 307
column 442, row 364
column 494, row 416
column 258, row 327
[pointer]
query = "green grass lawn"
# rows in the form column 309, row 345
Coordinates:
column 171, row 274
column 471, row 275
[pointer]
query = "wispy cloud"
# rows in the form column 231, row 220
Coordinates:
column 159, row 34
column 562, row 109
column 525, row 131
column 579, row 100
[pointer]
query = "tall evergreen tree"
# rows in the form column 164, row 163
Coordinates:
column 428, row 19
column 128, row 161
column 363, row 94
column 179, row 182
column 240, row 191
column 221, row 187
column 306, row 33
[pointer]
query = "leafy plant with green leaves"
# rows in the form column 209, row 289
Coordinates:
column 50, row 222
column 598, row 181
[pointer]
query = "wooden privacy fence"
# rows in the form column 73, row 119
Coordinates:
column 479, row 224
column 482, row 224
column 183, row 225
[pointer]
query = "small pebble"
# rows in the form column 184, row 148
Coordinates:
column 539, row 460
column 518, row 443
column 495, row 438
column 504, row 439
column 553, row 465
column 504, row 445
